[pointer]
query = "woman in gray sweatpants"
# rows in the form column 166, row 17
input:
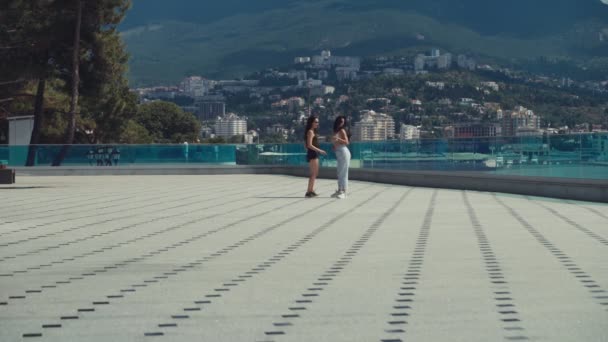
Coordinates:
column 341, row 141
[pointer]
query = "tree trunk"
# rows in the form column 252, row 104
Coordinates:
column 38, row 113
column 75, row 84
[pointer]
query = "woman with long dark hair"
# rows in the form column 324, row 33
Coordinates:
column 340, row 140
column 312, row 153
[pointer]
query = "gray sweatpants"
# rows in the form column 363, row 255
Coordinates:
column 343, row 158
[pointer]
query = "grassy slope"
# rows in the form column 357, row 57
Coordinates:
column 246, row 42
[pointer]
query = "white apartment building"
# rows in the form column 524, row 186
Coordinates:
column 251, row 137
column 409, row 132
column 419, row 62
column 520, row 121
column 437, row 85
column 491, row 85
column 326, row 60
column 444, row 61
column 301, row 60
column 196, row 86
column 435, row 60
column 322, row 90
column 230, row 125
column 374, row 126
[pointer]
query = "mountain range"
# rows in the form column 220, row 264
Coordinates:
column 168, row 40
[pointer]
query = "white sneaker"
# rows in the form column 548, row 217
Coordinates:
column 335, row 194
column 341, row 195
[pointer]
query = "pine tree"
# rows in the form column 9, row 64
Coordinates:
column 39, row 43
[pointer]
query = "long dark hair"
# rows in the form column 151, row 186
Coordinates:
column 337, row 127
column 309, row 123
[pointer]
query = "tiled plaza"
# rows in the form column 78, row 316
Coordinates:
column 248, row 258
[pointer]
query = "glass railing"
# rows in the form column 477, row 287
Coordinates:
column 571, row 156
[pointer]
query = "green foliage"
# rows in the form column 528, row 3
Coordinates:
column 134, row 133
column 167, row 123
column 215, row 140
column 236, row 139
column 273, row 139
column 233, row 45
column 39, row 34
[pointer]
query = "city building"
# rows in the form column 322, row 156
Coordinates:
column 374, row 126
column 206, row 132
column 520, row 121
column 196, row 86
column 295, row 103
column 157, row 93
column 278, row 129
column 471, row 130
column 322, row 90
column 465, row 62
column 409, row 132
column 230, row 125
column 378, row 101
column 491, row 85
column 345, row 61
column 419, row 62
column 444, row 61
column 346, row 73
column 437, row 85
column 251, row 137
column 237, row 86
column 301, row 60
column 326, row 60
column 309, row 83
column 210, row 110
column 435, row 60
column 300, row 75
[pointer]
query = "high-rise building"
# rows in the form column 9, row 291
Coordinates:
column 374, row 126
column 419, row 63
column 230, row 125
column 519, row 119
column 210, row 110
column 444, row 61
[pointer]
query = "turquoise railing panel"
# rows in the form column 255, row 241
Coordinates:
column 570, row 155
column 113, row 155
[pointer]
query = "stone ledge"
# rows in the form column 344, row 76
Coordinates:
column 565, row 188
